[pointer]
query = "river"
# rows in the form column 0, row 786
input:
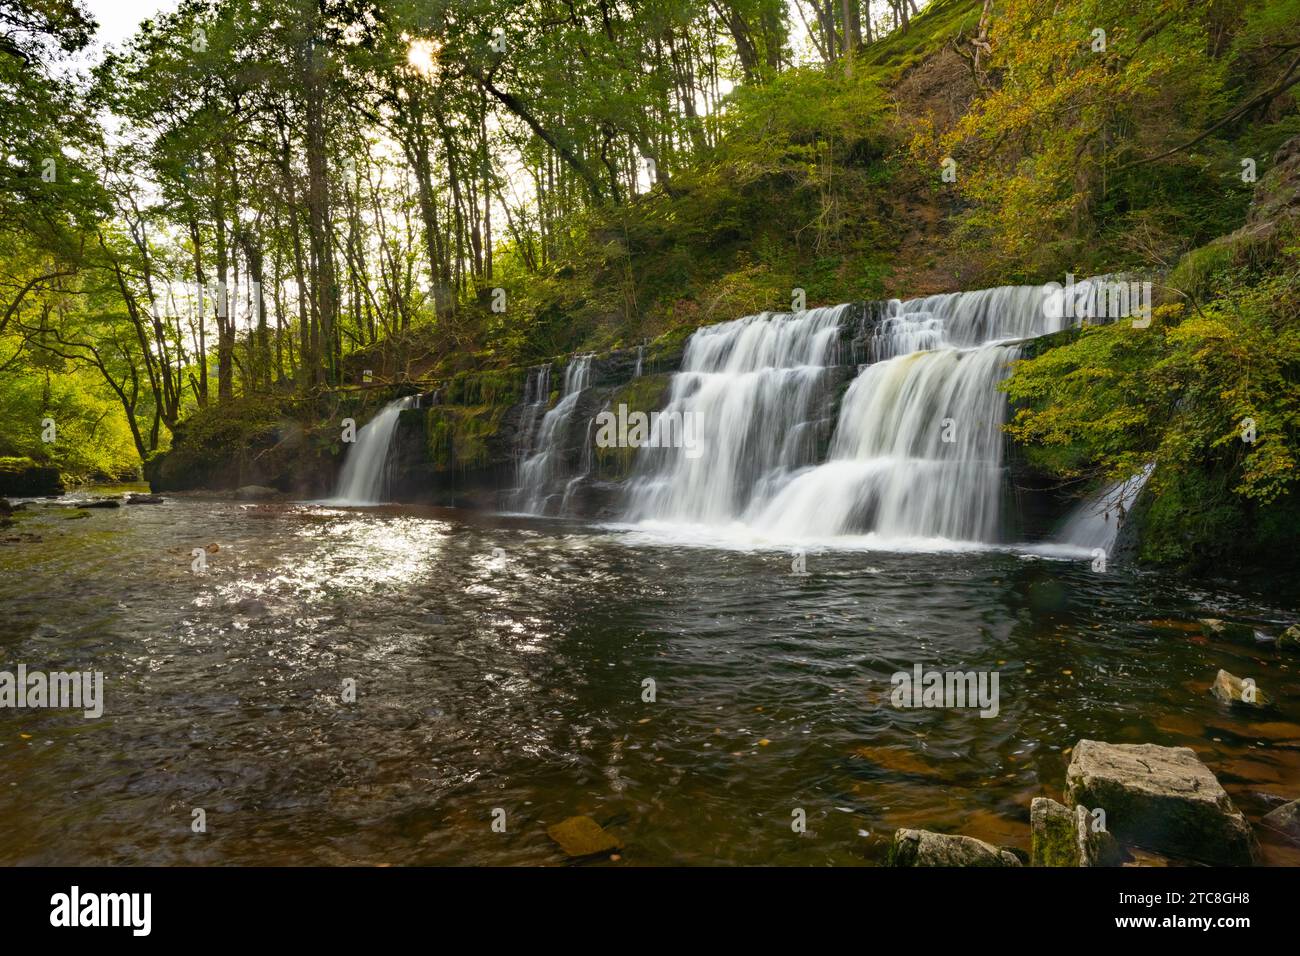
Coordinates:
column 500, row 663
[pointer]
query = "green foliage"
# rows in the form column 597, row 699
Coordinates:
column 1218, row 367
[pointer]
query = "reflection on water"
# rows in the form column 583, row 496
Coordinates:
column 499, row 663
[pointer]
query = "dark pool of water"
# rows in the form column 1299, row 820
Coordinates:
column 499, row 663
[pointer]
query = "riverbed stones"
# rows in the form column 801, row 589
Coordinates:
column 926, row 848
column 1285, row 820
column 1162, row 798
column 1229, row 631
column 582, row 837
column 1233, row 690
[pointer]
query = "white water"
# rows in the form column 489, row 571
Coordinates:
column 755, row 389
column 364, row 476
column 540, row 470
column 1095, row 522
column 916, row 456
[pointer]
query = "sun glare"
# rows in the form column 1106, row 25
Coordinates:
column 422, row 56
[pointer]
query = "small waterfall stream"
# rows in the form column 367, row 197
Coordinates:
column 545, row 466
column 364, row 478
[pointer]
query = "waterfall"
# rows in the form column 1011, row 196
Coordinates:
column 364, row 478
column 755, row 388
column 1095, row 521
column 545, row 466
column 916, row 450
column 917, row 453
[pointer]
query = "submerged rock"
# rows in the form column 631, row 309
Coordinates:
column 1230, row 631
column 1285, row 820
column 135, row 498
column 925, row 848
column 583, row 836
column 256, row 493
column 1162, row 798
column 103, row 503
column 1231, row 689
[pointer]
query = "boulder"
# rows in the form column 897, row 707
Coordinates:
column 925, row 848
column 1063, row 837
column 582, row 836
column 1162, row 798
column 1052, row 837
column 135, row 498
column 1285, row 820
column 1229, row 631
column 1290, row 639
column 1097, row 847
column 256, row 493
column 1231, row 689
column 103, row 503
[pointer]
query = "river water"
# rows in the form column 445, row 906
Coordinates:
column 499, row 663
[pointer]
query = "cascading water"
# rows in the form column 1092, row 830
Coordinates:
column 917, row 453
column 755, row 387
column 917, row 449
column 540, row 470
column 1096, row 521
column 363, row 479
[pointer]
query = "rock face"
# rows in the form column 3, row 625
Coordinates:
column 1162, row 798
column 925, row 848
column 1230, row 631
column 1285, row 820
column 1231, row 689
column 22, row 477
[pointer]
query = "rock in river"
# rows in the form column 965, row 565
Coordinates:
column 1231, row 689
column 1061, row 837
column 1290, row 639
column 925, row 848
column 1285, row 819
column 1162, row 798
column 1229, row 631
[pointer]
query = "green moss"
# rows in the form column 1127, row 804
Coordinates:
column 459, row 437
column 647, row 394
